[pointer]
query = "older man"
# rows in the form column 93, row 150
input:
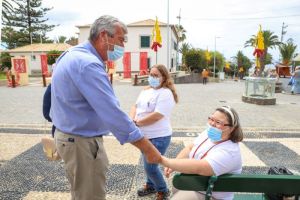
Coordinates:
column 84, row 108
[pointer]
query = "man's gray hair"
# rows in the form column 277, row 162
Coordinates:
column 105, row 23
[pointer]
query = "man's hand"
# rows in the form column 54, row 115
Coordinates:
column 151, row 153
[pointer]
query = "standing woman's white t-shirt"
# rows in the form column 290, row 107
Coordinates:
column 156, row 100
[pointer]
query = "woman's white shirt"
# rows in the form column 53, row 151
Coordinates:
column 224, row 158
column 155, row 100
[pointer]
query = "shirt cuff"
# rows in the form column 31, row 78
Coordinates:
column 134, row 136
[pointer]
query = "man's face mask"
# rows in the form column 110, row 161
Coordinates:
column 116, row 53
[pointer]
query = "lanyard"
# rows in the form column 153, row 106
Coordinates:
column 207, row 150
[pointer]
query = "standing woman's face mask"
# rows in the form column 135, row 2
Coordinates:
column 155, row 78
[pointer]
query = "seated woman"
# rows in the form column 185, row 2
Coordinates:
column 215, row 151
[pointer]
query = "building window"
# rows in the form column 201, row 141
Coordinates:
column 149, row 63
column 33, row 58
column 145, row 41
column 174, row 45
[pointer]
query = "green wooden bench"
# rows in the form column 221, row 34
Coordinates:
column 244, row 183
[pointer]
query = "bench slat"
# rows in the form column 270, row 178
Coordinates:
column 240, row 183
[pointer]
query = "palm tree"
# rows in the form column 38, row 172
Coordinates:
column 270, row 41
column 287, row 51
column 185, row 47
column 181, row 32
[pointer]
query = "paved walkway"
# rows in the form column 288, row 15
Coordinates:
column 272, row 137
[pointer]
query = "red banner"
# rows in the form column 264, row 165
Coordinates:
column 143, row 63
column 127, row 64
column 44, row 64
column 19, row 65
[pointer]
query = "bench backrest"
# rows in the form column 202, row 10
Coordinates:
column 289, row 184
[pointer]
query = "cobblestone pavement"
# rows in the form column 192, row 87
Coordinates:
column 272, row 138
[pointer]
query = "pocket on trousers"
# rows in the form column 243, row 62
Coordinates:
column 64, row 146
column 101, row 157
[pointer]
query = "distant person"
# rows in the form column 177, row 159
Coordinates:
column 241, row 73
column 151, row 113
column 215, row 151
column 255, row 73
column 296, row 81
column 273, row 74
column 204, row 76
column 84, row 108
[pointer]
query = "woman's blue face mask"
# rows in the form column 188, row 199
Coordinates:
column 214, row 134
column 153, row 81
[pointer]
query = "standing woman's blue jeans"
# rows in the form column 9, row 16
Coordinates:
column 155, row 177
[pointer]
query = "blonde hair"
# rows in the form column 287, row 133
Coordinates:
column 167, row 80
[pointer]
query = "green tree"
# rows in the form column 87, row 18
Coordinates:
column 28, row 19
column 185, row 47
column 5, row 61
column 240, row 60
column 269, row 59
column 61, row 39
column 181, row 32
column 72, row 41
column 7, row 10
column 193, row 59
column 52, row 55
column 12, row 38
column 287, row 51
column 270, row 41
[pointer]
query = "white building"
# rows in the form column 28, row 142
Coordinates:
column 140, row 40
column 33, row 54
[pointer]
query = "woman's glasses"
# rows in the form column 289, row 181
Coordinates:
column 217, row 122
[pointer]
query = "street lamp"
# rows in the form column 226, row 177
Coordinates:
column 215, row 56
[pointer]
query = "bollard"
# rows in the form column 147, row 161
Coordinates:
column 44, row 80
column 111, row 78
column 135, row 79
column 13, row 81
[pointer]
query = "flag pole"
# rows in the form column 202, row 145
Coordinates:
column 168, row 50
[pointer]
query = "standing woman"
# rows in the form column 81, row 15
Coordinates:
column 151, row 114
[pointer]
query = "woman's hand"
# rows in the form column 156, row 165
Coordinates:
column 168, row 171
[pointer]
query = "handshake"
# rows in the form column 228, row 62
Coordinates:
column 151, row 153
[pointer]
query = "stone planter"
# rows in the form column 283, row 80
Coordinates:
column 259, row 91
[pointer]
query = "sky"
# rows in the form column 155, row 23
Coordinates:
column 224, row 24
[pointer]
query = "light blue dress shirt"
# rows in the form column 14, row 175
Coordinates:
column 82, row 99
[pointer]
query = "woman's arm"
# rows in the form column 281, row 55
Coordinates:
column 184, row 153
column 188, row 166
column 132, row 112
column 149, row 119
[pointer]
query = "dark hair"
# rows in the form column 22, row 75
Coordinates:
column 167, row 81
column 237, row 133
